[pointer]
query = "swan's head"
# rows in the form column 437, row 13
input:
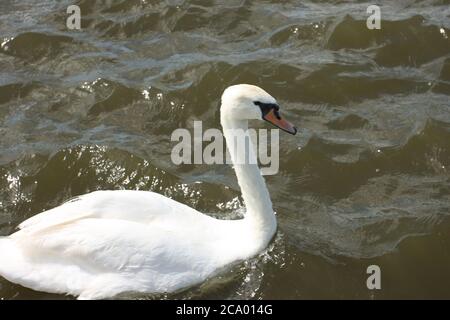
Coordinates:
column 248, row 102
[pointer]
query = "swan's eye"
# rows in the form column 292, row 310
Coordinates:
column 267, row 107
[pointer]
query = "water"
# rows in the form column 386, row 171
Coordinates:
column 366, row 181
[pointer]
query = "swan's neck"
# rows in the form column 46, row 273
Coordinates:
column 259, row 212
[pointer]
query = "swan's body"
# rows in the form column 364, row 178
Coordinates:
column 109, row 242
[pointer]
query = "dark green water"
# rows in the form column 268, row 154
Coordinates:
column 366, row 181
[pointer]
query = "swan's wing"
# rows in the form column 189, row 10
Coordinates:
column 138, row 206
column 98, row 258
column 109, row 242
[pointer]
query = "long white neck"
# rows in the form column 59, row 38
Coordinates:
column 259, row 212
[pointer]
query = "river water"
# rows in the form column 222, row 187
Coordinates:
column 365, row 182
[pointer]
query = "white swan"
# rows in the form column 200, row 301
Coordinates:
column 109, row 242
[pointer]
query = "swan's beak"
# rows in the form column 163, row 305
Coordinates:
column 274, row 118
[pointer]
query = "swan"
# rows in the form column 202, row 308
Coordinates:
column 105, row 243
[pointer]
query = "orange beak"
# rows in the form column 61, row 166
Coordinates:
column 274, row 118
